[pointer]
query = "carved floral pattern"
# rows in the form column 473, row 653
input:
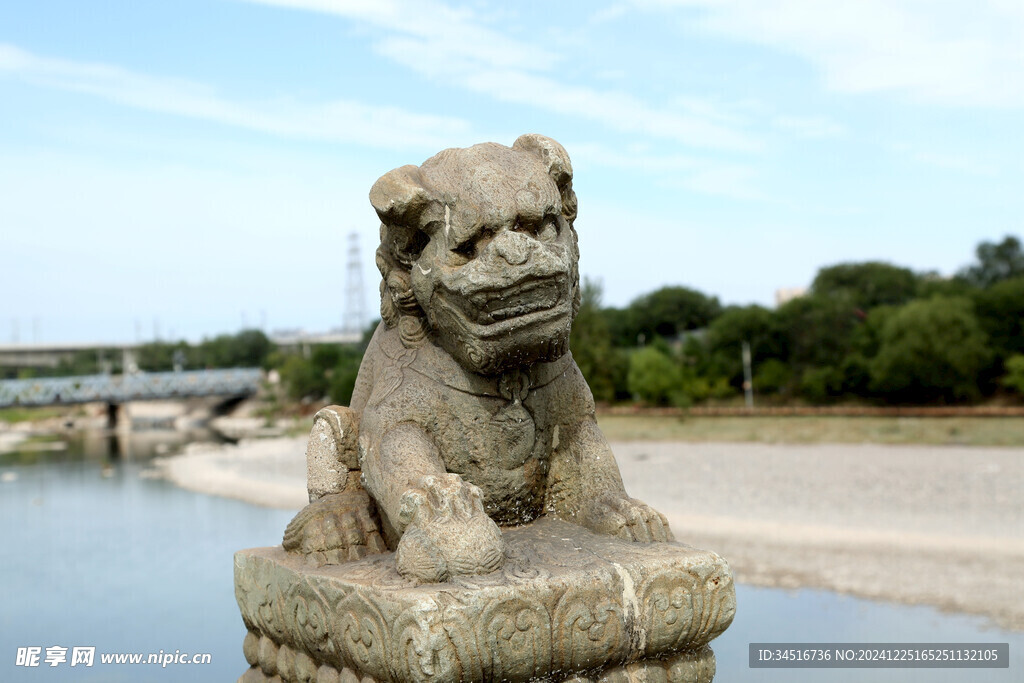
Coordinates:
column 427, row 647
column 363, row 635
column 685, row 608
column 311, row 620
column 588, row 630
column 539, row 616
column 516, row 635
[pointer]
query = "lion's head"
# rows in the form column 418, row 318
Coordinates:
column 478, row 250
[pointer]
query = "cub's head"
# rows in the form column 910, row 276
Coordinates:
column 478, row 251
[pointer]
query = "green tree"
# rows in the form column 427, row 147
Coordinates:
column 933, row 284
column 755, row 325
column 159, row 356
column 88, row 362
column 670, row 310
column 248, row 348
column 867, row 338
column 310, row 377
column 996, row 262
column 771, row 376
column 819, row 329
column 654, row 377
column 666, row 312
column 1014, row 377
column 1000, row 310
column 301, row 378
column 867, row 284
column 821, row 384
column 930, row 350
column 620, row 327
column 343, row 376
column 591, row 344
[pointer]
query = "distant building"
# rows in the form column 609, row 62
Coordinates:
column 788, row 294
column 297, row 339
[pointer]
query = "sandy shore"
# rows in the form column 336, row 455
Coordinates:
column 10, row 440
column 942, row 526
column 269, row 472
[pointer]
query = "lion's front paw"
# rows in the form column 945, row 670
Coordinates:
column 335, row 529
column 448, row 532
column 618, row 515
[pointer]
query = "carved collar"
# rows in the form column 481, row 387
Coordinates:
column 433, row 362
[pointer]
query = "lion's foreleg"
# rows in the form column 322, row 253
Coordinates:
column 585, row 487
column 440, row 518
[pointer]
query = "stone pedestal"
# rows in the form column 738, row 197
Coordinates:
column 568, row 605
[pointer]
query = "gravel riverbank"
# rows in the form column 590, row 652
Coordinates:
column 942, row 526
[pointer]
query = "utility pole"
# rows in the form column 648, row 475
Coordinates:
column 748, row 380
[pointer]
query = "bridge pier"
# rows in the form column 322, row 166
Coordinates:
column 117, row 416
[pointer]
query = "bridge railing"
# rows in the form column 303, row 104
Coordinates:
column 142, row 386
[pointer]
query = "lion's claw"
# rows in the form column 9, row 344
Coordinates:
column 618, row 515
column 448, row 532
column 337, row 528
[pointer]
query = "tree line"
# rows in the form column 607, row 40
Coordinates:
column 868, row 332
column 248, row 348
column 863, row 332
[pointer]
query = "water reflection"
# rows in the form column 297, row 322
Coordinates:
column 107, row 445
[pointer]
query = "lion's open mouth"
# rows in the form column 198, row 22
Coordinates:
column 487, row 307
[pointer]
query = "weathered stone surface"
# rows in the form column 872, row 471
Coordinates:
column 469, row 410
column 331, row 451
column 470, row 416
column 567, row 602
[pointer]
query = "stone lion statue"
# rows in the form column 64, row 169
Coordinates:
column 469, row 413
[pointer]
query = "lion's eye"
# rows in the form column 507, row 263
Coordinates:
column 548, row 230
column 466, row 250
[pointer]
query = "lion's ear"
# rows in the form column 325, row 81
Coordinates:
column 559, row 167
column 553, row 154
column 400, row 200
column 399, row 197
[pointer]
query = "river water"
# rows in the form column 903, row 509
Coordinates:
column 97, row 553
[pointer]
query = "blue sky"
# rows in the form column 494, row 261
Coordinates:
column 189, row 166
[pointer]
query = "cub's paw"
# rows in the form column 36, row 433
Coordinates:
column 337, row 528
column 447, row 533
column 616, row 514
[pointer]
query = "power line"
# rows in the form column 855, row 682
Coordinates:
column 354, row 318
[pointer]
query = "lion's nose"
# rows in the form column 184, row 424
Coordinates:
column 514, row 247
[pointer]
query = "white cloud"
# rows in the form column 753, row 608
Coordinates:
column 726, row 180
column 452, row 47
column 677, row 171
column 809, row 126
column 955, row 162
column 609, row 13
column 956, row 52
column 638, row 158
column 342, row 121
column 962, row 163
column 456, row 32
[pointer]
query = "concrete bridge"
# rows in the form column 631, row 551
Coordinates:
column 50, row 355
column 116, row 390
